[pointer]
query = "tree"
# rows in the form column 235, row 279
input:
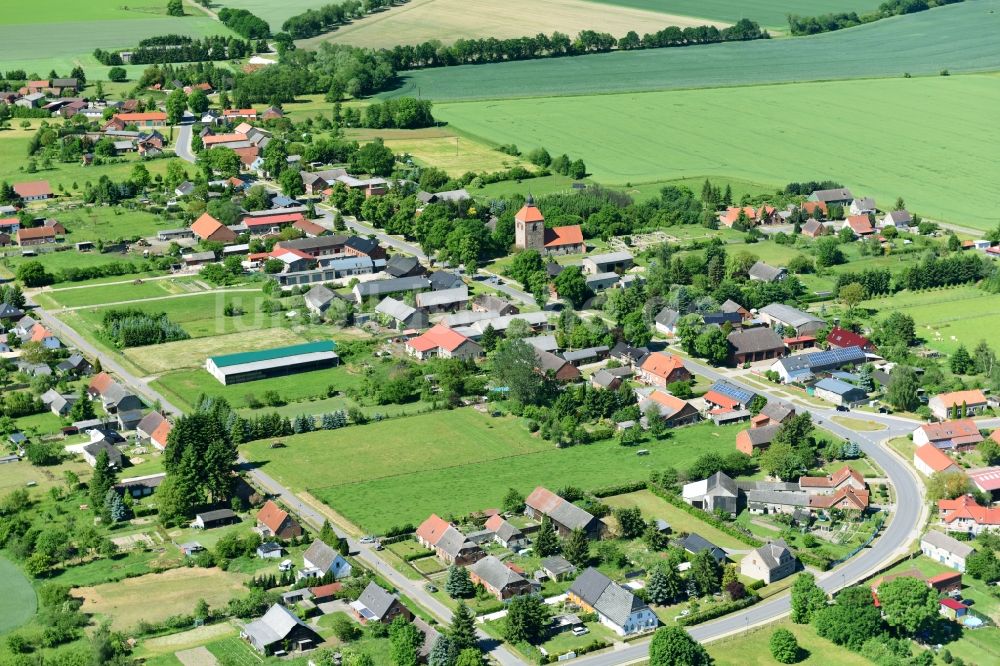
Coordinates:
column 527, row 619
column 828, row 252
column 706, row 573
column 850, row 295
column 462, row 631
column 636, row 330
column 469, row 657
column 984, row 359
column 576, row 548
column 404, row 642
column 176, row 105
column 33, row 274
column 83, row 408
column 712, row 346
column 201, row 610
column 374, row 158
column 344, row 628
column 198, row 101
column 117, row 74
column 512, row 365
column 989, row 450
column 902, row 390
column 291, row 183
column 114, row 506
column 896, row 329
column 782, row 461
column 784, row 647
column 664, row 585
column 852, row 620
column 200, row 457
column 102, row 481
column 630, row 522
column 961, row 362
column 175, row 8
column 908, row 604
column 983, row 564
column 546, row 542
column 513, row 501
column 459, row 584
column 672, row 646
column 807, row 598
column 443, row 652
column 572, row 286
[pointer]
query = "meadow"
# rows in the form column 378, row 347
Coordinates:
column 452, row 153
column 679, row 520
column 457, row 462
column 751, row 648
column 768, row 13
column 18, row 602
column 947, row 317
column 75, row 297
column 449, row 20
column 939, row 159
column 961, row 38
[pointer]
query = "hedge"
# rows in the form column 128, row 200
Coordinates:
column 620, row 489
column 822, row 563
column 745, row 537
column 718, row 611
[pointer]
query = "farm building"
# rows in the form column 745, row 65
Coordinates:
column 565, row 516
column 929, row 459
column 377, row 605
column 499, row 579
column 277, row 628
column 278, row 362
column 946, row 550
column 216, row 518
column 272, row 520
column 755, row 344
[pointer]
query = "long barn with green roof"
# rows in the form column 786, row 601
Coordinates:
column 277, row 362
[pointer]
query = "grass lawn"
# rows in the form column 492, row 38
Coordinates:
column 448, row 20
column 233, row 651
column 165, row 646
column 19, row 474
column 773, row 149
column 155, row 597
column 75, row 297
column 460, row 466
column 859, row 425
column 947, row 317
column 111, row 223
column 769, row 13
column 752, row 648
column 18, row 602
column 680, row 521
column 56, row 262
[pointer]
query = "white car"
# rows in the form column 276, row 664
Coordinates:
column 286, row 565
column 580, row 631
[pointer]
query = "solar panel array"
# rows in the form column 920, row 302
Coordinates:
column 741, row 395
column 836, row 357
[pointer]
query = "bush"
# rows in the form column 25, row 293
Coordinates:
column 784, row 647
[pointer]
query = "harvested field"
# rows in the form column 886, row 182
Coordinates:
column 197, row 656
column 192, row 353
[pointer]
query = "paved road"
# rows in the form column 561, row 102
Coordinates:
column 353, row 224
column 183, row 147
column 506, row 286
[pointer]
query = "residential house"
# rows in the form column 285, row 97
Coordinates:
column 565, row 516
column 58, row 403
column 321, row 246
column 498, row 578
column 612, row 262
column 659, row 369
column 769, row 563
column 845, row 477
column 147, row 119
column 75, row 365
column 401, row 265
column 812, row 228
column 309, row 228
column 732, row 306
column 400, row 315
column 128, row 419
column 839, row 392
column 778, row 315
column 209, row 229
column 147, row 426
column 654, row 403
column 445, row 281
column 966, row 515
column 860, row 225
column 557, row 567
column 929, row 459
column 695, row 543
column 364, row 247
column 751, row 216
column 377, row 605
column 960, row 435
column 756, row 438
column 445, row 300
column 774, row 412
column 27, row 237
column 838, row 196
column 504, row 533
column 36, row 190
column 447, row 542
column 141, row 486
column 766, row 273
column 716, row 493
column 900, row 219
column 864, row 206
column 947, row 582
column 587, row 355
column 610, row 378
column 556, row 367
column 724, row 395
column 444, row 342
column 217, row 518
column 628, row 355
column 9, row 312
column 801, row 367
column 279, row 630
column 491, row 303
column 966, row 403
column 945, row 550
column 755, row 344
column 666, row 321
column 318, row 299
column 159, row 437
column 272, row 520
column 270, row 550
column 320, row 560
column 616, row 607
column 266, row 223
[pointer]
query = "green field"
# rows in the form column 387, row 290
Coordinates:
column 59, row 11
column 958, row 37
column 457, row 462
column 769, row 13
column 18, row 602
column 946, row 318
column 275, row 13
column 939, row 160
column 679, row 520
column 751, row 648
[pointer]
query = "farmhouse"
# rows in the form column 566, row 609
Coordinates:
column 445, row 300
column 278, row 362
column 554, row 366
column 377, row 605
column 845, row 477
column 654, row 403
column 444, row 342
column 967, row 403
column 946, row 550
column 960, row 435
column 382, row 288
column 772, row 561
column 272, row 520
column 278, row 628
column 217, row 518
column 801, row 367
column 92, row 450
column 716, row 493
column 400, row 315
column 209, row 229
column 839, row 197
column 320, row 560
column 35, row 236
column 860, row 225
column 659, row 369
column 966, row 515
column 36, row 190
column 695, row 543
column 499, row 579
column 447, row 542
column 929, row 459
column 147, row 119
column 778, row 315
column 616, row 606
column 841, row 338
column 766, row 273
column 755, row 344
column 504, row 533
column 270, row 223
column 494, row 304
column 141, row 486
column 756, row 438
column 565, row 516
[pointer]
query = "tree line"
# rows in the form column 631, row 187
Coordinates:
column 245, row 23
column 135, row 328
column 175, row 48
column 813, row 25
column 326, row 18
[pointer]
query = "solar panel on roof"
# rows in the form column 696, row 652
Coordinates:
column 367, row 614
column 835, row 357
column 741, row 395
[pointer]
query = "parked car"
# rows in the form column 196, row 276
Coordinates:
column 843, row 408
column 580, row 631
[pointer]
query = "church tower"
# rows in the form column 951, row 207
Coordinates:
column 529, row 227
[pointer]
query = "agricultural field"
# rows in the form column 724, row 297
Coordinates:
column 184, row 354
column 39, row 36
column 947, row 317
column 18, row 602
column 155, row 597
column 961, row 38
column 768, row 13
column 776, row 128
column 449, row 20
column 403, row 466
column 126, row 290
column 453, row 153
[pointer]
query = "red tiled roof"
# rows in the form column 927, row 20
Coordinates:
column 438, row 337
column 986, row 478
column 271, row 516
column 559, row 236
column 962, row 431
column 948, row 602
column 529, row 213
column 142, row 117
column 205, row 226
column 973, row 397
column 101, row 382
column 671, row 402
column 844, row 338
column 327, row 590
column 995, row 435
column 213, row 139
column 831, row 480
column 495, row 522
column 811, row 206
column 661, row 364
column 799, row 338
column 10, row 222
column 733, row 214
column 933, row 457
column 160, row 434
column 39, row 333
column 309, row 228
column 36, row 232
column 967, row 507
column 860, row 224
column 859, row 498
column 543, row 500
column 271, row 220
column 35, row 188
column 239, row 112
column 431, row 529
column 946, row 577
column 717, row 398
column 247, row 155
